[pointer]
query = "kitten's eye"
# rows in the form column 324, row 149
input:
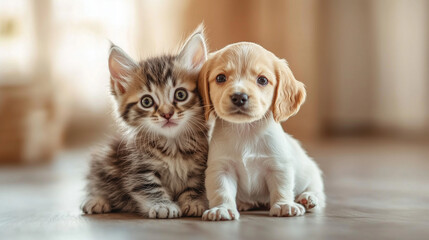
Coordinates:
column 147, row 101
column 221, row 78
column 180, row 94
column 262, row 80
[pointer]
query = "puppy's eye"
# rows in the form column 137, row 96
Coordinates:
column 181, row 94
column 147, row 101
column 262, row 80
column 221, row 78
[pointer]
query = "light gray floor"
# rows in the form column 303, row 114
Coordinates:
column 376, row 190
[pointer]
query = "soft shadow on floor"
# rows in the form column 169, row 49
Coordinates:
column 376, row 190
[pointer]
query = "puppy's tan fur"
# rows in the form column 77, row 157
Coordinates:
column 284, row 94
column 251, row 160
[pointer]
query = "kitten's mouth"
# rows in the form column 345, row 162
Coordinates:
column 169, row 124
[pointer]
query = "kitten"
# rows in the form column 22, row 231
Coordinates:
column 156, row 167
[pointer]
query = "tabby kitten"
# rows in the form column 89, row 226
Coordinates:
column 156, row 166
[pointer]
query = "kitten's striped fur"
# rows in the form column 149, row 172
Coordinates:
column 150, row 169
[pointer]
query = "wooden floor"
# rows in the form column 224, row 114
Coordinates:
column 375, row 189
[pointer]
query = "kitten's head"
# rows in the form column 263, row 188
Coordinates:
column 159, row 95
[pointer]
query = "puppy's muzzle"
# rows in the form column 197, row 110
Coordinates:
column 239, row 99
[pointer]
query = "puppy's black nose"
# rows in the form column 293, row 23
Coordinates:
column 239, row 99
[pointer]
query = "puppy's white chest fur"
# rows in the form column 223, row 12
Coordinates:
column 250, row 168
column 251, row 172
column 248, row 152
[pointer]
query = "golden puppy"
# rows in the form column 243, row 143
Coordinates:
column 252, row 161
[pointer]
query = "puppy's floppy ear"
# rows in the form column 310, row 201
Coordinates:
column 194, row 53
column 289, row 93
column 121, row 67
column 203, row 88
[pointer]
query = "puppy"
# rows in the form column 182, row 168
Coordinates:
column 252, row 161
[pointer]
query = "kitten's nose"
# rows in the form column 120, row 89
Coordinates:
column 167, row 115
column 239, row 99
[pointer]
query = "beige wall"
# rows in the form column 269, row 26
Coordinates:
column 347, row 64
column 375, row 58
column 364, row 63
column 401, row 33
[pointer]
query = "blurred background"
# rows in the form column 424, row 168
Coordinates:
column 365, row 64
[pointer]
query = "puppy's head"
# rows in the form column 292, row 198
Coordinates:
column 243, row 81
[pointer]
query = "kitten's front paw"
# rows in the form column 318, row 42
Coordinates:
column 96, row 205
column 287, row 210
column 194, row 208
column 164, row 210
column 221, row 213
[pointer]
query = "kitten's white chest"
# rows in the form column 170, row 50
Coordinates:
column 177, row 167
column 175, row 174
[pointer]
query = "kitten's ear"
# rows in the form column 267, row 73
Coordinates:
column 194, row 53
column 121, row 68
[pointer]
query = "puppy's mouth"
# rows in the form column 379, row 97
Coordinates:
column 239, row 111
column 239, row 114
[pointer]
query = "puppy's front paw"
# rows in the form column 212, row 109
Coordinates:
column 287, row 210
column 96, row 205
column 194, row 208
column 308, row 200
column 221, row 213
column 164, row 210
